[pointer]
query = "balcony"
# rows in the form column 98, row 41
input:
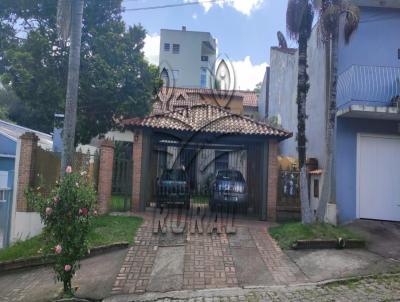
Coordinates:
column 368, row 91
column 368, row 85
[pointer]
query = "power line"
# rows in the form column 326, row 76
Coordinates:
column 175, row 5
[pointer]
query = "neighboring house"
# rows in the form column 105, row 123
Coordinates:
column 14, row 224
column 368, row 116
column 237, row 101
column 187, row 58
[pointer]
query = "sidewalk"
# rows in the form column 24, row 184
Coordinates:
column 380, row 288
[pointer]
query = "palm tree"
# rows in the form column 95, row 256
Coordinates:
column 69, row 21
column 299, row 18
column 330, row 14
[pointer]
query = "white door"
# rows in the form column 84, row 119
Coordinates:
column 378, row 177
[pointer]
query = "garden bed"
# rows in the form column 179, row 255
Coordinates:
column 316, row 235
column 106, row 230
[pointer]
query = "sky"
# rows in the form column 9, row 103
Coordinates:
column 244, row 29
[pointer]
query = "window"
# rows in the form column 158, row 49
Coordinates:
column 204, row 58
column 2, row 195
column 316, row 188
column 176, row 48
column 221, row 160
column 175, row 74
column 203, row 77
column 398, row 53
column 167, row 46
column 165, row 77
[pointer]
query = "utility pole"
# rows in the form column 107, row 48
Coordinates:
column 71, row 102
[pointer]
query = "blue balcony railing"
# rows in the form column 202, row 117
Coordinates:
column 370, row 85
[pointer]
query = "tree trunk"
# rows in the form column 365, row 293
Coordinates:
column 302, row 89
column 72, row 84
column 328, row 194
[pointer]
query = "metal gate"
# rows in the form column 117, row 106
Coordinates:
column 6, row 194
column 122, row 185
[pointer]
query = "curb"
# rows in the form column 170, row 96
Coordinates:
column 36, row 261
column 329, row 244
column 234, row 291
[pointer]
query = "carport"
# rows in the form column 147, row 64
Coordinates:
column 206, row 127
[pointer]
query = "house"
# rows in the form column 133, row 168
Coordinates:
column 367, row 133
column 187, row 58
column 204, row 138
column 15, row 224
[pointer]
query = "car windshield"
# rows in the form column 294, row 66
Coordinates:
column 229, row 175
column 173, row 175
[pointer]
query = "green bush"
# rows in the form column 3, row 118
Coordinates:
column 66, row 214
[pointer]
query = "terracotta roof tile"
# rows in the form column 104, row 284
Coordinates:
column 207, row 118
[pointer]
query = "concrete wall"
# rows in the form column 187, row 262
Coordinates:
column 263, row 97
column 346, row 159
column 282, row 96
column 188, row 61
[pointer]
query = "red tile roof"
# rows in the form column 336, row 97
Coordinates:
column 207, row 118
column 250, row 98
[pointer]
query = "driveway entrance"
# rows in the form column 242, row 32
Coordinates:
column 166, row 262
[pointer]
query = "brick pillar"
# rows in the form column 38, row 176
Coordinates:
column 273, row 174
column 26, row 168
column 137, row 169
column 105, row 176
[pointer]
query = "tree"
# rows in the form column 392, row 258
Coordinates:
column 330, row 13
column 69, row 18
column 299, row 18
column 115, row 79
column 258, row 87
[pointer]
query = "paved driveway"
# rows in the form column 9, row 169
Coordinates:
column 167, row 262
column 383, row 236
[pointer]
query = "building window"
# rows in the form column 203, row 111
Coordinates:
column 398, row 53
column 165, row 77
column 203, row 77
column 204, row 58
column 167, row 46
column 316, row 188
column 175, row 74
column 176, row 48
column 221, row 160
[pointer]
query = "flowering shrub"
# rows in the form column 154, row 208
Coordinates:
column 66, row 214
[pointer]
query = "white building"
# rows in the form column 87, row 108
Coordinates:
column 187, row 58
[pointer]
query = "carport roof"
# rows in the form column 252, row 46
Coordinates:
column 207, row 119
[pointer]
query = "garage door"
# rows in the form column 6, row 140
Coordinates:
column 378, row 175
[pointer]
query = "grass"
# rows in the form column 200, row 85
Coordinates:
column 288, row 233
column 106, row 230
column 118, row 203
column 199, row 199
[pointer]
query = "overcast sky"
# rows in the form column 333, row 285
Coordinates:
column 245, row 29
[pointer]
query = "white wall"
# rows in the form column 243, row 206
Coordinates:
column 188, row 61
column 283, row 94
column 27, row 225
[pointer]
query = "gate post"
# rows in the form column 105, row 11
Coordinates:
column 137, row 157
column 272, row 182
column 105, row 176
column 29, row 142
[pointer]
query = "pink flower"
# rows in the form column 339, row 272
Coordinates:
column 56, row 199
column 95, row 212
column 67, row 267
column 49, row 211
column 83, row 211
column 68, row 170
column 58, row 249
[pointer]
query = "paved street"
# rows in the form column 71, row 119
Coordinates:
column 383, row 288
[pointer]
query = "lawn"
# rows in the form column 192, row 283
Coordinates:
column 288, row 233
column 106, row 230
column 118, row 203
column 200, row 199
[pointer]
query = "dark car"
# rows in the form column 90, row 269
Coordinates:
column 228, row 188
column 173, row 188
